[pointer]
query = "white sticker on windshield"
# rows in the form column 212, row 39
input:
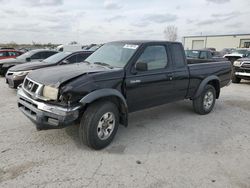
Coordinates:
column 130, row 46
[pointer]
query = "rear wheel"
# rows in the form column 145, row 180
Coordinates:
column 205, row 102
column 99, row 124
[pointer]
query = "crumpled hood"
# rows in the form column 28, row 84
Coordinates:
column 11, row 61
column 55, row 76
column 233, row 55
column 30, row 66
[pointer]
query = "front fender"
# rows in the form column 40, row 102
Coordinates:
column 102, row 93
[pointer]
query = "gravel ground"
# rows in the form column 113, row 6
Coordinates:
column 167, row 146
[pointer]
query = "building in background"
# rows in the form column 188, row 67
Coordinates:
column 218, row 42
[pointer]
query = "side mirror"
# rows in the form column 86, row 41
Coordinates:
column 28, row 59
column 65, row 62
column 141, row 66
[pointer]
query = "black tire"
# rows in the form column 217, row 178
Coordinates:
column 88, row 132
column 235, row 79
column 198, row 103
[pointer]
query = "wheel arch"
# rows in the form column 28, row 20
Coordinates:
column 111, row 95
column 212, row 80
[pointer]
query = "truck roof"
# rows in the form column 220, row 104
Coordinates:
column 145, row 41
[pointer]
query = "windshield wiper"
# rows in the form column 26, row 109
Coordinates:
column 104, row 64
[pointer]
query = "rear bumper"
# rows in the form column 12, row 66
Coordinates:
column 46, row 116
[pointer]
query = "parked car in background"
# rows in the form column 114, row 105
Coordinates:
column 194, row 56
column 226, row 51
column 15, row 75
column 96, row 47
column 241, row 69
column 6, row 54
column 210, row 49
column 237, row 54
column 120, row 77
column 33, row 55
column 7, row 48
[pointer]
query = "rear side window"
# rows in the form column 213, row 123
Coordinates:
column 178, row 55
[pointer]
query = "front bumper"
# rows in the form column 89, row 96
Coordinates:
column 14, row 81
column 2, row 71
column 46, row 116
column 243, row 73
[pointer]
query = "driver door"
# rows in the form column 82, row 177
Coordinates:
column 153, row 86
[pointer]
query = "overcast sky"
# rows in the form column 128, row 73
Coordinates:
column 97, row 21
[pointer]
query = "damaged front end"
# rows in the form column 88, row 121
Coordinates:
column 39, row 104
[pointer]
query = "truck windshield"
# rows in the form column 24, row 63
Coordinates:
column 192, row 53
column 239, row 52
column 57, row 57
column 114, row 54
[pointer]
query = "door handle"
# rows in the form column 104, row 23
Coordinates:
column 170, row 76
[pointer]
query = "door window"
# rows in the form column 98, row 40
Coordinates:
column 12, row 54
column 82, row 57
column 155, row 57
column 36, row 55
column 72, row 59
column 3, row 54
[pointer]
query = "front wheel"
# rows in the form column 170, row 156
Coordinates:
column 99, row 124
column 205, row 102
column 235, row 79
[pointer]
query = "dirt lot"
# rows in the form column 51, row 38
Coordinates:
column 167, row 146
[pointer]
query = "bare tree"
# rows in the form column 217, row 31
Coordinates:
column 171, row 33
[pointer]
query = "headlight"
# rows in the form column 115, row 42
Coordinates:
column 21, row 73
column 237, row 63
column 50, row 92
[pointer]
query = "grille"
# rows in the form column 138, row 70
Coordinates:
column 9, row 73
column 31, row 87
column 246, row 65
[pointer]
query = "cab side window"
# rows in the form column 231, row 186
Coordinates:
column 178, row 56
column 155, row 57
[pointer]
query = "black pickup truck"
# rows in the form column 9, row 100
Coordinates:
column 120, row 77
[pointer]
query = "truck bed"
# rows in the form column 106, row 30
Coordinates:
column 199, row 71
column 195, row 61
